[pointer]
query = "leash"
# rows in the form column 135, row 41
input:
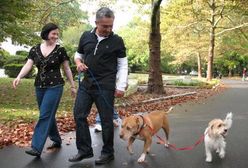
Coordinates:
column 81, row 74
column 199, row 141
column 173, row 146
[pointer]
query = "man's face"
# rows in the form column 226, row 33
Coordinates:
column 104, row 26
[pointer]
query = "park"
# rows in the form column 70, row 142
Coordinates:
column 189, row 55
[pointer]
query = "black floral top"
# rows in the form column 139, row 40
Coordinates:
column 49, row 74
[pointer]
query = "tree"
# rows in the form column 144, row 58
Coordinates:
column 155, row 82
column 137, row 48
column 21, row 20
column 220, row 11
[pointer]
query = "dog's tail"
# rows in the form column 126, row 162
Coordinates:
column 228, row 120
column 170, row 109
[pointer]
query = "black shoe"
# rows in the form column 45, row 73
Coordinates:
column 33, row 152
column 105, row 159
column 79, row 157
column 54, row 145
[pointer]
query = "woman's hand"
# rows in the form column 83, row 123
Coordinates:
column 73, row 92
column 16, row 82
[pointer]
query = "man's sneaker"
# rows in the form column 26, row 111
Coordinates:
column 98, row 128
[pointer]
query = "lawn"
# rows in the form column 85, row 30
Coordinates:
column 21, row 103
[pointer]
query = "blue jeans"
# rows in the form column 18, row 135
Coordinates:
column 104, row 101
column 98, row 119
column 48, row 100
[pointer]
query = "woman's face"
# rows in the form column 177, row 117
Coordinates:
column 53, row 36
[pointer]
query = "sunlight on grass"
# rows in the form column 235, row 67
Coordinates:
column 20, row 103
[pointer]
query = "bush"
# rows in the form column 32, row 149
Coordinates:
column 16, row 60
column 74, row 70
column 3, row 57
column 12, row 70
column 22, row 53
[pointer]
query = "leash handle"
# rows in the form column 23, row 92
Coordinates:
column 80, row 77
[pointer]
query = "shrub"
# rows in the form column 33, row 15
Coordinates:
column 74, row 70
column 3, row 57
column 12, row 70
column 15, row 60
column 22, row 53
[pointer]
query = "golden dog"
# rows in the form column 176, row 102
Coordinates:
column 143, row 128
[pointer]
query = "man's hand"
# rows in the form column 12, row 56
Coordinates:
column 119, row 93
column 81, row 67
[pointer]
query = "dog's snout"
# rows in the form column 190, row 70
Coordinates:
column 225, row 130
column 121, row 136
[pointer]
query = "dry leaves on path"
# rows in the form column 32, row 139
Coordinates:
column 20, row 133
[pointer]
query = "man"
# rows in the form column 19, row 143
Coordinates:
column 101, row 56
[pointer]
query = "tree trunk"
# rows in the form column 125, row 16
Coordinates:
column 199, row 65
column 212, row 41
column 155, row 82
column 230, row 72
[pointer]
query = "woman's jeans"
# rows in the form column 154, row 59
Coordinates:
column 48, row 100
column 98, row 119
column 104, row 101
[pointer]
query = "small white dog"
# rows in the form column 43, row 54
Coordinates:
column 215, row 135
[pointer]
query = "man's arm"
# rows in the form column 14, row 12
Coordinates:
column 122, row 74
column 78, row 59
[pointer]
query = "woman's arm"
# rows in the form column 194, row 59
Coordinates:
column 69, row 77
column 24, row 71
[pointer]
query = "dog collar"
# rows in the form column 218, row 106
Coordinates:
column 140, row 127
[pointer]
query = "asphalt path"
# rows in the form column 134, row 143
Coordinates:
column 187, row 123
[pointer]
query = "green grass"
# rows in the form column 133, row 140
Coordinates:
column 20, row 103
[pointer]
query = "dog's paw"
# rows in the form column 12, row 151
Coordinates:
column 130, row 150
column 222, row 155
column 142, row 158
column 166, row 145
column 208, row 159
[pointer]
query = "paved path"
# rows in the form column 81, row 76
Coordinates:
column 188, row 121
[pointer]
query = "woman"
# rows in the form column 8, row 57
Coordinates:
column 48, row 57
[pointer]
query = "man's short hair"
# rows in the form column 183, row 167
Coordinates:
column 104, row 12
column 46, row 29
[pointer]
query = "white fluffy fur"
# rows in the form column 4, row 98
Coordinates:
column 215, row 135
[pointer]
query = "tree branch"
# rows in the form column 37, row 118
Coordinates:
column 53, row 6
column 233, row 28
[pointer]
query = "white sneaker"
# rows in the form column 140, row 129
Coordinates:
column 98, row 128
column 117, row 122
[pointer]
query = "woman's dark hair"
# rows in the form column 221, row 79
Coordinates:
column 46, row 29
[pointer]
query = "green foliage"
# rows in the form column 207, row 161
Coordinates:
column 74, row 70
column 231, row 63
column 12, row 70
column 195, row 83
column 3, row 57
column 12, row 12
column 71, row 38
column 21, row 20
column 135, row 36
column 18, row 59
column 22, row 53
